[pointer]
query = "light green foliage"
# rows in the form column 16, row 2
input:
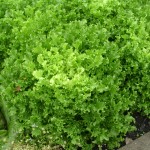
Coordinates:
column 75, row 70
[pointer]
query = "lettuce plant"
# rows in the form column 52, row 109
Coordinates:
column 75, row 71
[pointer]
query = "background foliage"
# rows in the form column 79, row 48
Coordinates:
column 72, row 72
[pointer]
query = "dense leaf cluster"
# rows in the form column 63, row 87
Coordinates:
column 74, row 71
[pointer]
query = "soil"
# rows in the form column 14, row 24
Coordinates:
column 142, row 124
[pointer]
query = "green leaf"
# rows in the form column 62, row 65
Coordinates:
column 38, row 74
